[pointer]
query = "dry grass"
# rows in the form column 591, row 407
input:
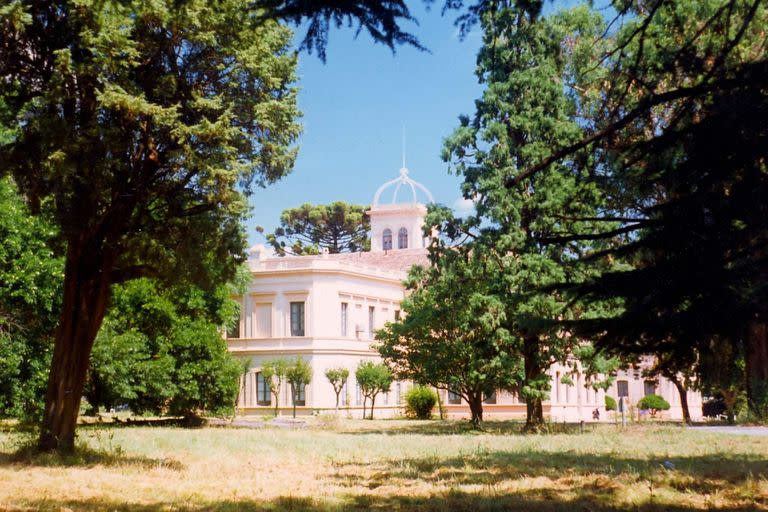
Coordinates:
column 389, row 465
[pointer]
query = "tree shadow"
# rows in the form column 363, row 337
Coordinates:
column 452, row 427
column 83, row 456
column 455, row 501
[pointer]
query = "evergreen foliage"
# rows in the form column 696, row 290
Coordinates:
column 161, row 351
column 610, row 403
column 681, row 141
column 337, row 227
column 653, row 403
column 451, row 335
column 419, row 402
column 530, row 66
column 30, row 295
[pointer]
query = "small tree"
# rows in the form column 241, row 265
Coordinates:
column 274, row 372
column 610, row 403
column 298, row 375
column 337, row 377
column 653, row 403
column 373, row 379
column 420, row 400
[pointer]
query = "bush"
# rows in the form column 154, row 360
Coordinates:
column 653, row 403
column 419, row 402
column 610, row 403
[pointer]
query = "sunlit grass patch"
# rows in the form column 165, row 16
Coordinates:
column 405, row 465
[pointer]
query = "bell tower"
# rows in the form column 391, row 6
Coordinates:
column 398, row 225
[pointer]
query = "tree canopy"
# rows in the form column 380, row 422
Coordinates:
column 336, row 227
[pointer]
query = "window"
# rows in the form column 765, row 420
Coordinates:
column 344, row 315
column 453, row 398
column 490, row 399
column 234, row 330
column 386, row 242
column 263, row 394
column 343, row 394
column 622, row 388
column 300, row 397
column 649, row 387
column 402, row 238
column 397, row 315
column 297, row 319
column 262, row 315
column 371, row 320
column 358, row 394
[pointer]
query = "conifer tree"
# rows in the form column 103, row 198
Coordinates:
column 530, row 66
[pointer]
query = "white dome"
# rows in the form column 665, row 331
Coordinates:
column 395, row 186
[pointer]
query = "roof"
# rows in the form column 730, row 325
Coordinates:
column 395, row 262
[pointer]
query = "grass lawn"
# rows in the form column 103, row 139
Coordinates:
column 390, row 465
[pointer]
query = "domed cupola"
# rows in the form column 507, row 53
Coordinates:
column 398, row 224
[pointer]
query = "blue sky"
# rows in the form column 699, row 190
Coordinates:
column 355, row 106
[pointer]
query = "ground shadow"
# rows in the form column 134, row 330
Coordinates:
column 454, row 501
column 699, row 474
column 28, row 455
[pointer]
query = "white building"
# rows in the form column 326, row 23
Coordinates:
column 325, row 309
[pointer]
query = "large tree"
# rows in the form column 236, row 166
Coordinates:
column 136, row 122
column 452, row 333
column 682, row 145
column 530, row 66
column 308, row 229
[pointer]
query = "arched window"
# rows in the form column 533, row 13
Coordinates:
column 402, row 238
column 387, row 240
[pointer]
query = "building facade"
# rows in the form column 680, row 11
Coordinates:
column 325, row 308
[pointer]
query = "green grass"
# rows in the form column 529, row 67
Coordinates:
column 389, row 465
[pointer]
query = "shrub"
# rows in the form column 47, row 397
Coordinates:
column 610, row 403
column 653, row 403
column 419, row 402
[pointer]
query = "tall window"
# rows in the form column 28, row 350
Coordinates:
column 234, row 331
column 343, row 394
column 402, row 238
column 263, row 394
column 453, row 398
column 622, row 388
column 344, row 315
column 386, row 242
column 297, row 319
column 649, row 387
column 490, row 399
column 262, row 316
column 397, row 315
column 301, row 397
column 371, row 320
column 358, row 394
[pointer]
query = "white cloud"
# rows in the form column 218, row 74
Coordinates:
column 463, row 205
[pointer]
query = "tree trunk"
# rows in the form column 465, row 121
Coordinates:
column 534, row 412
column 87, row 281
column 729, row 398
column 337, row 401
column 476, row 408
column 439, row 405
column 365, row 400
column 757, row 366
column 277, row 400
column 373, row 401
column 683, row 398
column 293, row 399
